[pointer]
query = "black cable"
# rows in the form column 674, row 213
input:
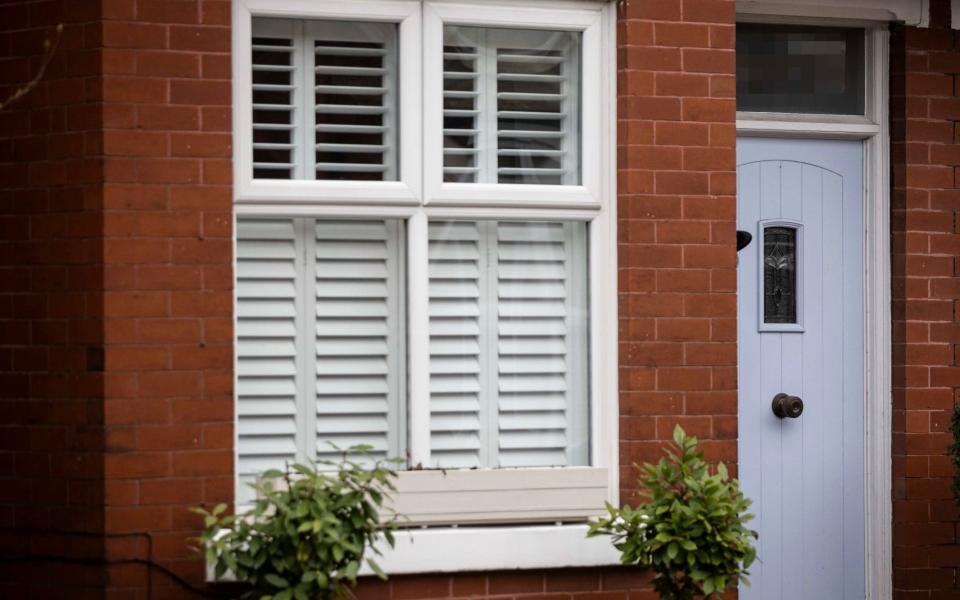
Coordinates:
column 148, row 562
column 119, row 561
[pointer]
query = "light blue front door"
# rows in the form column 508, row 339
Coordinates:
column 801, row 334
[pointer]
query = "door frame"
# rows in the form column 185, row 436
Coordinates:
column 873, row 130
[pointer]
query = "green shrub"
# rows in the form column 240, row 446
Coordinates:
column 954, row 451
column 307, row 538
column 690, row 531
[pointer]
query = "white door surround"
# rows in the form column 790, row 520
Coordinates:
column 873, row 130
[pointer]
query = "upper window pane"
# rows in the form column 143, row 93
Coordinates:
column 324, row 100
column 800, row 69
column 511, row 101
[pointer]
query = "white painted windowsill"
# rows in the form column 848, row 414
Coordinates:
column 448, row 549
column 458, row 549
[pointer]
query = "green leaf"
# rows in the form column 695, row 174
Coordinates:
column 672, row 550
column 678, row 435
column 276, row 581
column 376, row 569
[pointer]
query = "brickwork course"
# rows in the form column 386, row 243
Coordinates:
column 116, row 382
column 925, row 228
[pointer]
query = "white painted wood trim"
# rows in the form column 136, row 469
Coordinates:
column 465, row 497
column 407, row 189
column 418, row 340
column 878, row 360
column 459, row 550
column 909, row 12
column 877, row 293
column 355, row 200
column 455, row 550
column 586, row 18
column 804, row 126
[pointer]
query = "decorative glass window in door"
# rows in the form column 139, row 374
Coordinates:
column 779, row 274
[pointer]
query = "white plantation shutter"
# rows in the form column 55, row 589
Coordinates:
column 511, row 106
column 464, row 133
column 277, row 64
column 319, row 350
column 540, row 341
column 324, row 100
column 508, row 344
column 268, row 326
column 457, row 392
column 358, row 337
column 355, row 103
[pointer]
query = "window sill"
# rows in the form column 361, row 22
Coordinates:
column 453, row 549
column 483, row 496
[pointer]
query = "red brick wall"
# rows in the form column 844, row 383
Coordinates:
column 168, row 277
column 677, row 227
column 163, row 259
column 925, row 111
column 50, row 299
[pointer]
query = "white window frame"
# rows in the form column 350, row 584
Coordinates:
column 585, row 19
column 406, row 189
column 573, row 493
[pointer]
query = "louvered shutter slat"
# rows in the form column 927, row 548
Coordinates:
column 455, row 346
column 354, row 84
column 357, row 336
column 462, row 67
column 274, row 99
column 536, row 107
column 266, row 348
column 535, row 345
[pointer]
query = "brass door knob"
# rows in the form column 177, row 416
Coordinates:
column 786, row 406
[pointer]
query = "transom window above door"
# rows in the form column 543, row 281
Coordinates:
column 426, row 250
column 800, row 69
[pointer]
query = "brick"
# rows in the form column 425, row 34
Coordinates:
column 709, row 11
column 200, row 39
column 682, row 35
column 168, row 118
column 168, row 11
column 134, row 143
column 208, row 93
column 681, row 84
column 168, row 64
column 133, row 35
column 201, row 145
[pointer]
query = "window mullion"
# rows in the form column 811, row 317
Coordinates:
column 306, row 340
column 578, row 422
column 489, row 362
column 396, row 355
column 306, row 119
column 487, row 63
column 418, row 339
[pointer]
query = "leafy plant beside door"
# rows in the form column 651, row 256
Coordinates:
column 690, row 531
column 308, row 533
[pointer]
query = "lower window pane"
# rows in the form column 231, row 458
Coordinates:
column 319, row 341
column 508, row 344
